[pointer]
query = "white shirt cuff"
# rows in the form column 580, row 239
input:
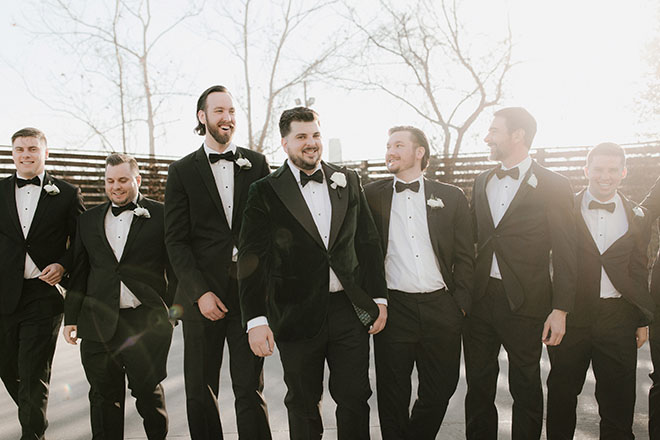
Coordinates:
column 382, row 301
column 256, row 322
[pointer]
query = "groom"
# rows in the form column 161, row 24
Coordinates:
column 310, row 273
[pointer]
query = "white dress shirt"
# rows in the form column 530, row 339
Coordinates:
column 116, row 231
column 27, row 199
column 410, row 264
column 500, row 193
column 317, row 198
column 223, row 174
column 606, row 228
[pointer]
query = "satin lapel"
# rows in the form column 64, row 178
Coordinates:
column 582, row 225
column 483, row 205
column 286, row 188
column 338, row 200
column 42, row 205
column 386, row 196
column 10, row 197
column 430, row 218
column 630, row 215
column 100, row 228
column 134, row 231
column 204, row 168
column 524, row 188
column 239, row 188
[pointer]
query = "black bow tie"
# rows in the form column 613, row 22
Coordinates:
column 514, row 173
column 412, row 186
column 317, row 176
column 606, row 206
column 116, row 210
column 227, row 155
column 22, row 182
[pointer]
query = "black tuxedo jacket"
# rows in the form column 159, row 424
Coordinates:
column 199, row 240
column 92, row 302
column 652, row 204
column 540, row 222
column 284, row 266
column 625, row 263
column 450, row 230
column 52, row 228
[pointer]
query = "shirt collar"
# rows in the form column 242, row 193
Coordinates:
column 231, row 147
column 296, row 171
column 523, row 166
column 40, row 176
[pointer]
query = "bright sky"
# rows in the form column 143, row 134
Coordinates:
column 581, row 73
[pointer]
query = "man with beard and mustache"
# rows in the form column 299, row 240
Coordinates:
column 522, row 212
column 311, row 277
column 204, row 201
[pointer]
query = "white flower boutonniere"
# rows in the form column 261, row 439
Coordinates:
column 639, row 212
column 532, row 181
column 434, row 202
column 243, row 163
column 51, row 189
column 338, row 179
column 141, row 212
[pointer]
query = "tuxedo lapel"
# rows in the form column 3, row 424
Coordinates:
column 582, row 225
column 10, row 197
column 630, row 216
column 239, row 188
column 482, row 202
column 42, row 205
column 431, row 217
column 286, row 188
column 386, row 196
column 524, row 188
column 204, row 168
column 339, row 203
column 134, row 231
column 100, row 228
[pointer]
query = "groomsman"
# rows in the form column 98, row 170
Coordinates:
column 311, row 269
column 522, row 213
column 652, row 204
column 118, row 303
column 426, row 232
column 37, row 221
column 204, row 201
column 612, row 305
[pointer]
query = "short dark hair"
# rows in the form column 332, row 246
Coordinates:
column 201, row 105
column 115, row 159
column 301, row 114
column 29, row 132
column 519, row 118
column 607, row 149
column 418, row 138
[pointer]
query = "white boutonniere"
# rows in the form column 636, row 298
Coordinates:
column 141, row 212
column 51, row 189
column 338, row 180
column 639, row 212
column 243, row 163
column 434, row 202
column 532, row 181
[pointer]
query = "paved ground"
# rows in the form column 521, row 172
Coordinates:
column 69, row 417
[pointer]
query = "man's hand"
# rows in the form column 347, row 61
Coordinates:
column 262, row 341
column 70, row 333
column 211, row 307
column 642, row 335
column 52, row 274
column 379, row 323
column 554, row 328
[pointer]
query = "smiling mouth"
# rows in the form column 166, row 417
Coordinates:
column 226, row 127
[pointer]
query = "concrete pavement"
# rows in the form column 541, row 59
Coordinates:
column 68, row 410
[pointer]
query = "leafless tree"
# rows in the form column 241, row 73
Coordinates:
column 649, row 102
column 272, row 41
column 114, row 46
column 424, row 56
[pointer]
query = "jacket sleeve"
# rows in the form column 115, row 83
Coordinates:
column 75, row 209
column 652, row 201
column 78, row 282
column 463, row 254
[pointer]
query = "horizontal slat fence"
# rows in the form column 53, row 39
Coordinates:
column 85, row 170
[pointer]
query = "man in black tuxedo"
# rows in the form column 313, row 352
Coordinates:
column 119, row 301
column 652, row 204
column 311, row 269
column 522, row 212
column 204, row 201
column 426, row 232
column 612, row 304
column 37, row 221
